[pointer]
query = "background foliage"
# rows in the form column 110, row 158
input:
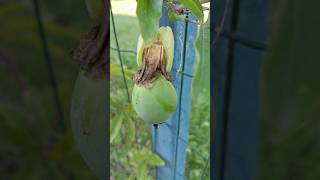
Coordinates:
column 289, row 147
column 31, row 147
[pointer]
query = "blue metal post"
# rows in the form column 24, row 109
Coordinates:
column 166, row 143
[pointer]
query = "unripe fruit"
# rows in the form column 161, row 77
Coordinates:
column 88, row 121
column 154, row 105
column 154, row 97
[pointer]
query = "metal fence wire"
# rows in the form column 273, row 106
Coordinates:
column 178, row 138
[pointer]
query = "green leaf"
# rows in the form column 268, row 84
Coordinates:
column 142, row 172
column 155, row 160
column 89, row 121
column 201, row 81
column 195, row 7
column 290, row 93
column 114, row 102
column 131, row 130
column 115, row 126
column 149, row 13
column 139, row 156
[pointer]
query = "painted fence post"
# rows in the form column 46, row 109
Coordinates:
column 165, row 141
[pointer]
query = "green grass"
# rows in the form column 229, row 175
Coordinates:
column 127, row 30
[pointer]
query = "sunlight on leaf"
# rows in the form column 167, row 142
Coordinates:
column 155, row 160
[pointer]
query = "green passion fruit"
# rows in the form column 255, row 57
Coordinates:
column 154, row 105
column 154, row 97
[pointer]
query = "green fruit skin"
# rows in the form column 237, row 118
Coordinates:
column 155, row 105
column 166, row 36
column 88, row 121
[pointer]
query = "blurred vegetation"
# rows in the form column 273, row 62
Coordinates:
column 31, row 147
column 130, row 135
column 290, row 146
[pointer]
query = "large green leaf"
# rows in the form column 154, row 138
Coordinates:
column 130, row 129
column 290, row 143
column 201, row 82
column 115, row 126
column 195, row 7
column 155, row 160
column 149, row 13
column 89, row 122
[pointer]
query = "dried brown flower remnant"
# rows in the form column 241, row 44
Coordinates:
column 93, row 52
column 154, row 63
